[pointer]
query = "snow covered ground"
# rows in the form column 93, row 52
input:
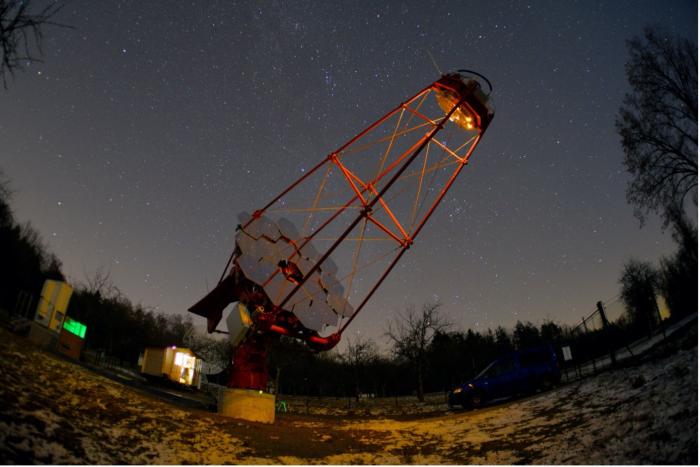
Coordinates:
column 54, row 411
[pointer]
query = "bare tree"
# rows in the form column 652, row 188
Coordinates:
column 411, row 334
column 216, row 352
column 678, row 274
column 19, row 28
column 658, row 123
column 361, row 352
column 6, row 217
column 639, row 283
column 100, row 283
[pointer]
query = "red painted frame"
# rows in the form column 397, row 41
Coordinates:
column 465, row 95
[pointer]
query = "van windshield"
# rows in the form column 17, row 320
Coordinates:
column 499, row 367
column 485, row 370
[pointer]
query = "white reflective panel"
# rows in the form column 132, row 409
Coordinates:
column 309, row 251
column 266, row 270
column 273, row 250
column 247, row 260
column 307, row 293
column 288, row 229
column 265, row 249
column 268, row 228
column 340, row 305
column 263, row 226
column 312, row 288
column 329, row 266
column 321, row 309
column 244, row 242
column 287, row 251
column 256, row 259
column 331, row 284
column 270, row 252
column 277, row 288
column 247, row 264
column 254, row 229
column 305, row 265
column 259, row 272
column 319, row 302
column 315, row 314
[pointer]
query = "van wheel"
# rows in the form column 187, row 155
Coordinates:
column 476, row 400
column 547, row 383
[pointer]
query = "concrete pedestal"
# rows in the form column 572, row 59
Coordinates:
column 247, row 404
column 42, row 336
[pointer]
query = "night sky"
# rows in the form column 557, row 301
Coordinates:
column 151, row 125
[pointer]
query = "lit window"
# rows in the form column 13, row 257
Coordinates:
column 184, row 360
column 179, row 358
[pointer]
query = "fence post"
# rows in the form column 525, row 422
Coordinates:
column 606, row 327
column 661, row 321
column 277, row 382
column 585, row 327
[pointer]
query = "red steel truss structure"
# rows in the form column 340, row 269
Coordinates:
column 359, row 210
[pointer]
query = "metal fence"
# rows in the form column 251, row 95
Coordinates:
column 605, row 338
column 18, row 318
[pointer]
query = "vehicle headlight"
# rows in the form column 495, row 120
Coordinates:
column 457, row 391
column 471, row 386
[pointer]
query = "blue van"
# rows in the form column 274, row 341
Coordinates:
column 519, row 372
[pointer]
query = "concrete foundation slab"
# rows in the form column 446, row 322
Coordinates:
column 247, row 404
column 42, row 336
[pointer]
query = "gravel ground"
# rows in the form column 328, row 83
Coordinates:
column 56, row 412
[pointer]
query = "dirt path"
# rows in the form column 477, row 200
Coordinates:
column 57, row 412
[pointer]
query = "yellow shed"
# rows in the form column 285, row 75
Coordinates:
column 177, row 364
column 53, row 303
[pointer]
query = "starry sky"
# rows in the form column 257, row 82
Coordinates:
column 149, row 126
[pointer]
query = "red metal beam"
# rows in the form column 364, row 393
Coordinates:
column 393, row 179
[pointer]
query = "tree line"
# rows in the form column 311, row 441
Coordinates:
column 424, row 356
column 658, row 128
column 115, row 326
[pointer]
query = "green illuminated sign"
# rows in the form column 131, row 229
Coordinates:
column 75, row 327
